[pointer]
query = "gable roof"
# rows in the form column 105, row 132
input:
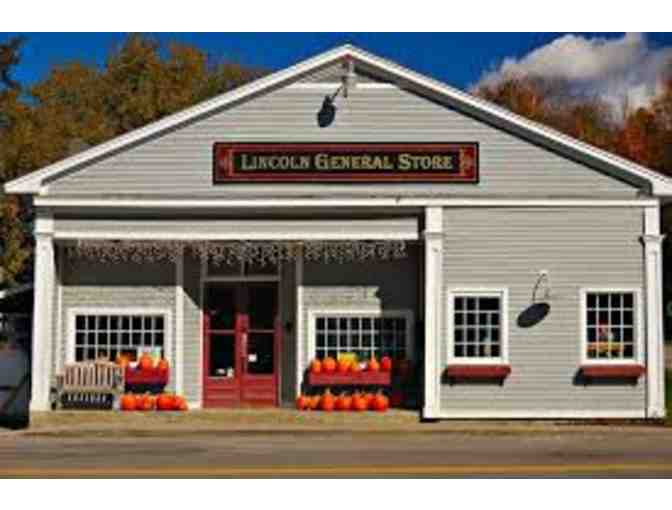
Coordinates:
column 607, row 162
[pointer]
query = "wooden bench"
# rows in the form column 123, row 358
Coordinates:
column 89, row 385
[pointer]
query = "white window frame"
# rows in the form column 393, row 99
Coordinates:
column 404, row 313
column 95, row 310
column 503, row 295
column 638, row 328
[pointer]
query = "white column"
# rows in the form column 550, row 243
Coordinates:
column 433, row 236
column 178, row 368
column 42, row 313
column 655, row 363
column 298, row 327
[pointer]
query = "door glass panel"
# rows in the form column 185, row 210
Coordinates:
column 221, row 303
column 222, row 356
column 261, row 306
column 260, row 353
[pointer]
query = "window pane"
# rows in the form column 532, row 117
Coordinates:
column 477, row 326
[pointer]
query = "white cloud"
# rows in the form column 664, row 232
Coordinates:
column 627, row 68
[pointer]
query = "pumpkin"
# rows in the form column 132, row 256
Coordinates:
column 138, row 401
column 316, row 366
column 163, row 365
column 179, row 403
column 373, row 365
column 313, row 402
column 380, row 402
column 329, row 365
column 368, row 398
column 148, row 402
column 359, row 402
column 344, row 366
column 302, row 402
column 123, row 360
column 165, row 402
column 127, row 402
column 343, row 402
column 355, row 368
column 146, row 362
column 386, row 364
column 327, row 402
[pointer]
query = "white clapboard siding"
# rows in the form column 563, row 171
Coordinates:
column 506, row 248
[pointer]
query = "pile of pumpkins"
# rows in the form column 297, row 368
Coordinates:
column 147, row 402
column 346, row 366
column 358, row 401
column 145, row 362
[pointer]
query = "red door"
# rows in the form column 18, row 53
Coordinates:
column 242, row 344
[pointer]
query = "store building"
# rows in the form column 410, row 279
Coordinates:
column 349, row 204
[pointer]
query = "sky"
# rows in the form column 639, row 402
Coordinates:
column 607, row 64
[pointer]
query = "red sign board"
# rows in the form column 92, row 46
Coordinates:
column 428, row 162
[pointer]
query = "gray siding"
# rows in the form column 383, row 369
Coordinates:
column 88, row 284
column 505, row 248
column 390, row 285
column 179, row 163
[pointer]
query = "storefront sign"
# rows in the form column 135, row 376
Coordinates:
column 452, row 162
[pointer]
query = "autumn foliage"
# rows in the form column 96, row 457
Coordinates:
column 79, row 105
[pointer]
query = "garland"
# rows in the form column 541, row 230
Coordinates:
column 235, row 252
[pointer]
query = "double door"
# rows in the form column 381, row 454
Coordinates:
column 242, row 344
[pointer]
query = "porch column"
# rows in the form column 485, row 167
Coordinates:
column 433, row 236
column 44, row 276
column 653, row 263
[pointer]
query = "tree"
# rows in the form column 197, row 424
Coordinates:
column 77, row 106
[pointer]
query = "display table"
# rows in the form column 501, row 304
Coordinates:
column 350, row 379
column 152, row 380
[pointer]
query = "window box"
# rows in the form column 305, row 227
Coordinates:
column 356, row 379
column 613, row 371
column 478, row 371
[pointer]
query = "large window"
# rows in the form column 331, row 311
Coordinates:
column 477, row 326
column 610, row 325
column 365, row 334
column 105, row 335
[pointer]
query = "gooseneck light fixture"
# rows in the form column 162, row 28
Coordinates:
column 327, row 113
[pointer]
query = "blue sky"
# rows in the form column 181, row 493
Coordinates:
column 456, row 58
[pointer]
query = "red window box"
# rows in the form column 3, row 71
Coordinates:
column 150, row 376
column 623, row 371
column 478, row 371
column 356, row 379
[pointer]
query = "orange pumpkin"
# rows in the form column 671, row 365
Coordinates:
column 148, row 402
column 183, row 406
column 344, row 366
column 368, row 398
column 165, row 402
column 146, row 362
column 355, row 368
column 179, row 403
column 123, row 360
column 314, row 402
column 343, row 402
column 316, row 366
column 373, row 365
column 359, row 402
column 163, row 365
column 329, row 365
column 302, row 402
column 138, row 401
column 327, row 402
column 380, row 402
column 127, row 402
column 386, row 364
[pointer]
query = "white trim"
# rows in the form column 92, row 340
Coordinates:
column 333, row 86
column 201, row 334
column 542, row 414
column 371, row 311
column 72, row 312
column 653, row 267
column 502, row 293
column 43, row 309
column 59, row 354
column 411, row 80
column 638, row 326
column 433, row 284
column 300, row 362
column 326, row 201
column 179, row 323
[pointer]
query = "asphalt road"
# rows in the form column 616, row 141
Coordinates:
column 600, row 454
